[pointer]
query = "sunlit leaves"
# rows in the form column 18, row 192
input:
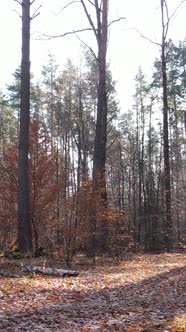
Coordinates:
column 142, row 293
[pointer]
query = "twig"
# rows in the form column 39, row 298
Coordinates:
column 166, row 25
column 147, row 38
column 116, row 20
column 69, row 4
column 91, row 50
column 176, row 9
column 35, row 14
column 48, row 37
column 17, row 13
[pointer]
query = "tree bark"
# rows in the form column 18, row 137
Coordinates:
column 24, row 226
column 99, row 157
column 168, row 220
column 50, row 271
column 99, row 192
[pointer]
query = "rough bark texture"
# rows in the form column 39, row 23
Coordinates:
column 24, row 227
column 101, row 123
column 99, row 191
column 168, row 222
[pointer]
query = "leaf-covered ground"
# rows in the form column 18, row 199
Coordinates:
column 145, row 293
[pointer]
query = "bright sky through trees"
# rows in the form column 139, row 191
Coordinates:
column 127, row 49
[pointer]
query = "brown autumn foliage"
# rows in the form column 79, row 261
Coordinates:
column 8, row 197
column 59, row 211
column 44, row 186
column 115, row 220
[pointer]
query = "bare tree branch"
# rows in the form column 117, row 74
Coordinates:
column 147, row 38
column 35, row 14
column 116, row 20
column 167, row 10
column 32, row 18
column 163, row 23
column 101, row 3
column 169, row 18
column 98, row 11
column 89, row 19
column 69, row 4
column 111, row 143
column 19, row 2
column 48, row 37
column 176, row 9
column 91, row 50
column 166, row 25
column 65, row 7
column 17, row 13
column 93, row 4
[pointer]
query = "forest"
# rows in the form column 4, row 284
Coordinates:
column 83, row 182
column 99, row 181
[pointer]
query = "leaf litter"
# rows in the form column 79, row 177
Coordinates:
column 145, row 293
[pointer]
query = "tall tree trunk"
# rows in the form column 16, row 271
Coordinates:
column 99, row 193
column 99, row 158
column 24, row 226
column 168, row 220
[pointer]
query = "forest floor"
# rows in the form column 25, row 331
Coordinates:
column 142, row 293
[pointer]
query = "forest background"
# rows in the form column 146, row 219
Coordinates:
column 62, row 132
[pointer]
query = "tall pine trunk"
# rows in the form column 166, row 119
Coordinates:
column 168, row 220
column 98, row 206
column 24, row 226
column 99, row 157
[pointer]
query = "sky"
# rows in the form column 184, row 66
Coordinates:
column 127, row 50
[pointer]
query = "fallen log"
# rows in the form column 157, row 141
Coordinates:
column 9, row 275
column 50, row 271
